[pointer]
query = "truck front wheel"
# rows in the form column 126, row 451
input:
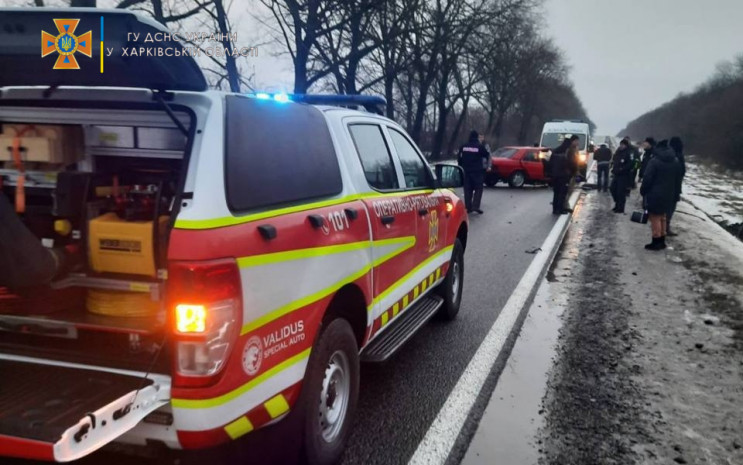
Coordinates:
column 451, row 288
column 331, row 393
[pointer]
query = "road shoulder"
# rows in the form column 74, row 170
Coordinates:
column 648, row 364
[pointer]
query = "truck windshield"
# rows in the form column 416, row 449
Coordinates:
column 554, row 139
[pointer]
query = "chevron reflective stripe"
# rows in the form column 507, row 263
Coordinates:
column 239, row 427
column 277, row 406
column 265, row 278
column 273, row 408
column 205, row 414
column 411, row 282
column 409, row 299
column 213, row 223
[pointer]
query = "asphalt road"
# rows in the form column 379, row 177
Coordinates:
column 400, row 398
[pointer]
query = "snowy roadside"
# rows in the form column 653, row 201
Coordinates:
column 718, row 193
column 650, row 356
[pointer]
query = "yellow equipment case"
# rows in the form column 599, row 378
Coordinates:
column 120, row 246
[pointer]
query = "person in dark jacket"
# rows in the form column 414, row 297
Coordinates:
column 621, row 171
column 603, row 160
column 24, row 262
column 473, row 158
column 635, row 162
column 649, row 146
column 678, row 147
column 659, row 188
column 562, row 167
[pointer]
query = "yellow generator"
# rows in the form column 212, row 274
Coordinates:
column 120, row 246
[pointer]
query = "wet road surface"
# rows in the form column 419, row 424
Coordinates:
column 400, row 398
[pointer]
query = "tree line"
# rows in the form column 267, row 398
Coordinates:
column 709, row 119
column 444, row 66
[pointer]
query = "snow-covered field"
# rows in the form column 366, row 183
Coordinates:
column 716, row 192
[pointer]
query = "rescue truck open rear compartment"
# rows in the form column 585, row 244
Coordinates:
column 241, row 296
column 101, row 175
column 79, row 369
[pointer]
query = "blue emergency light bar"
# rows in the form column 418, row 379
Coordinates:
column 371, row 103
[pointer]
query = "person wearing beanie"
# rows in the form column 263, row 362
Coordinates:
column 562, row 166
column 621, row 171
column 473, row 158
column 659, row 189
column 603, row 160
column 649, row 146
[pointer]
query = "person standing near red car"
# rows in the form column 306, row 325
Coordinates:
column 473, row 158
column 562, row 166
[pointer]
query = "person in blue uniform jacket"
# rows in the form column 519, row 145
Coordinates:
column 473, row 158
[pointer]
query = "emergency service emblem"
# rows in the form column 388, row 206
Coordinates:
column 66, row 44
column 253, row 356
column 433, row 231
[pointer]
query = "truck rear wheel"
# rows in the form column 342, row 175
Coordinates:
column 451, row 288
column 331, row 393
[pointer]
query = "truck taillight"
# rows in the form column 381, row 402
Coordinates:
column 205, row 301
column 190, row 318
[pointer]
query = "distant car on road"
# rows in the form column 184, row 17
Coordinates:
column 516, row 166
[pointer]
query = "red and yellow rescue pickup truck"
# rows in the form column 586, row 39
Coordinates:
column 237, row 256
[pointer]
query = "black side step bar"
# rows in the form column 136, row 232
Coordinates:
column 402, row 329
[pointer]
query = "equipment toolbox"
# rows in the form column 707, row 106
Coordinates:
column 54, row 144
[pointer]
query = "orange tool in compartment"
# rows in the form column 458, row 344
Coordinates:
column 20, row 188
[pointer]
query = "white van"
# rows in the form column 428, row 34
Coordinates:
column 554, row 132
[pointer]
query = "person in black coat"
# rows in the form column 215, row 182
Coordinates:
column 635, row 162
column 678, row 147
column 660, row 189
column 473, row 158
column 649, row 146
column 621, row 171
column 562, row 167
column 24, row 262
column 603, row 160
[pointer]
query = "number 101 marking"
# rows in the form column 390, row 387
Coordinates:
column 339, row 220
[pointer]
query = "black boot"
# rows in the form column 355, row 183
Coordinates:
column 662, row 243
column 653, row 245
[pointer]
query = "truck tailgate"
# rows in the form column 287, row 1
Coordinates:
column 62, row 413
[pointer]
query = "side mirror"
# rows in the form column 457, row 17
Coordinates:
column 449, row 176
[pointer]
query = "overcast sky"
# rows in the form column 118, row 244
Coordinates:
column 626, row 56
column 629, row 56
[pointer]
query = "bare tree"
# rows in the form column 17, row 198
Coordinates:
column 505, row 44
column 156, row 9
column 541, row 65
column 390, row 58
column 300, row 25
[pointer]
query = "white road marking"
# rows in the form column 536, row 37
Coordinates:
column 443, row 432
